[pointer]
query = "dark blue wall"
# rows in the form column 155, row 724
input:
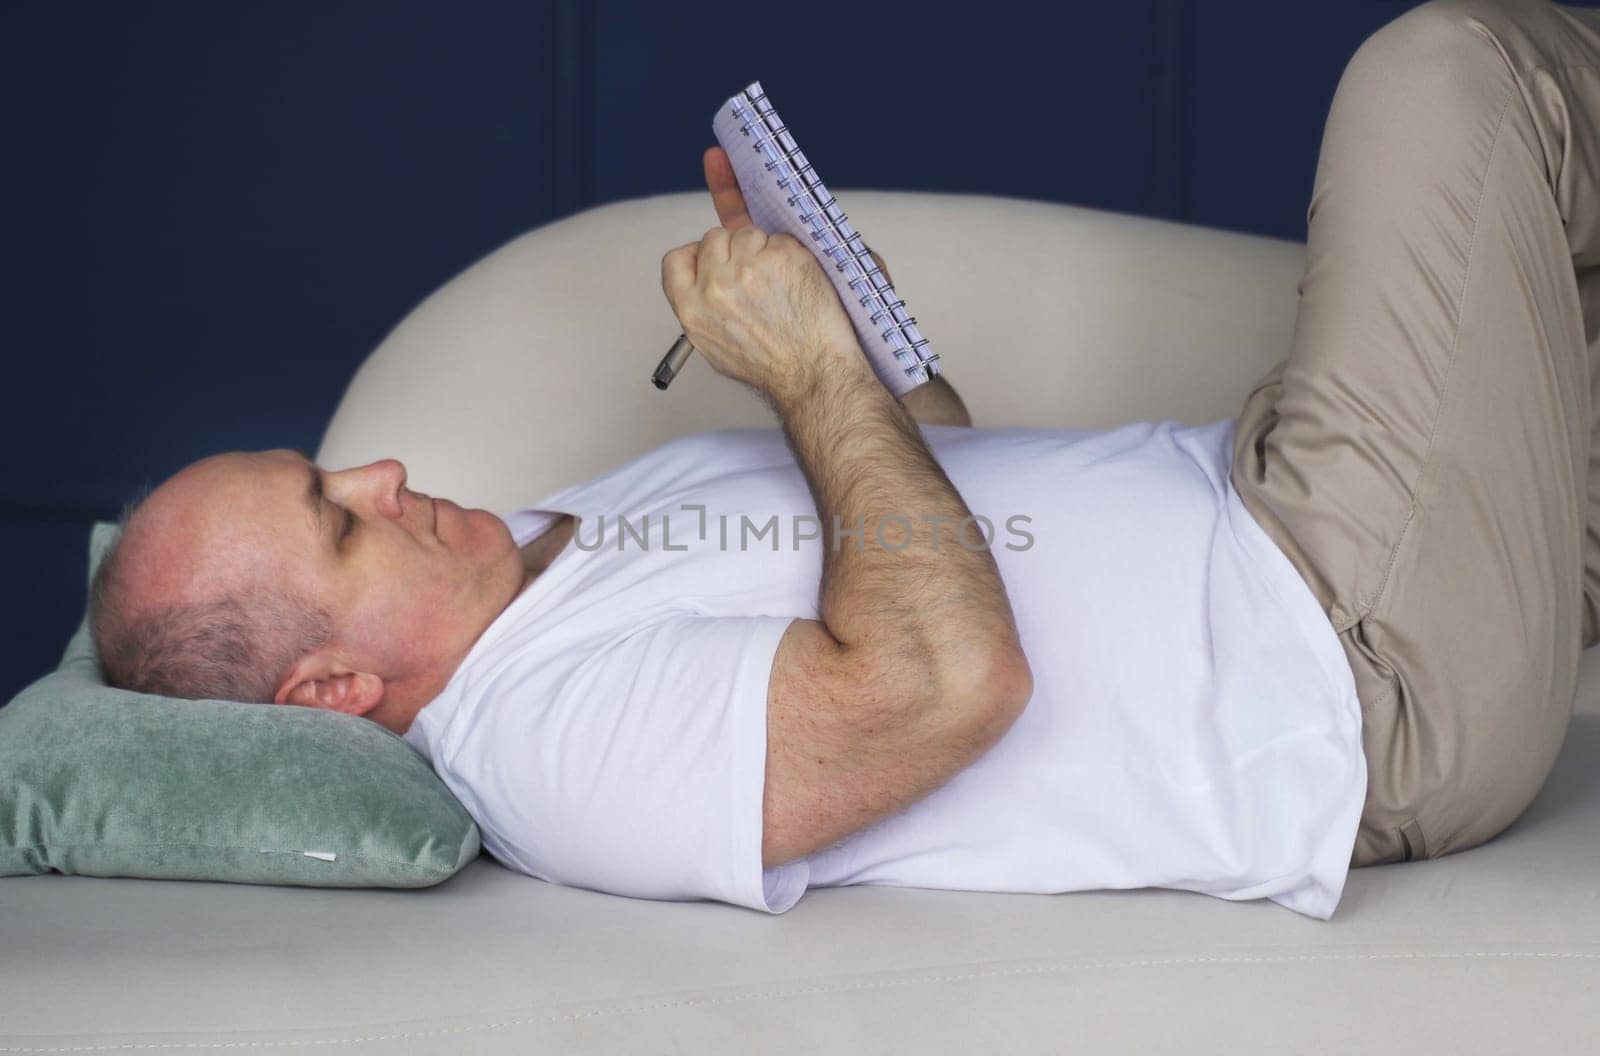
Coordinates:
column 215, row 210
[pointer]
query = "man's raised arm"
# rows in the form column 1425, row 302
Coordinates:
column 915, row 668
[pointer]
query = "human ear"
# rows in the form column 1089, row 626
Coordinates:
column 352, row 692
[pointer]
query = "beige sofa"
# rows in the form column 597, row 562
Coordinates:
column 530, row 371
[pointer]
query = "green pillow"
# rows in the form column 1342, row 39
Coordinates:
column 103, row 782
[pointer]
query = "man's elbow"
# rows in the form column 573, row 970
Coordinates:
column 994, row 686
column 1010, row 682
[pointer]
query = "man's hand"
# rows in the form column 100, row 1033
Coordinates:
column 937, row 402
column 761, row 311
column 759, row 308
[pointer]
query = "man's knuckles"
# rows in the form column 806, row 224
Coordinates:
column 749, row 239
column 678, row 268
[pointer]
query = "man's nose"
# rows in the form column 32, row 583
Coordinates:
column 391, row 471
column 381, row 482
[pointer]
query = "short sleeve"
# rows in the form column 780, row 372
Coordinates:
column 642, row 773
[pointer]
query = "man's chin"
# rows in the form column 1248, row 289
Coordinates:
column 475, row 530
column 489, row 526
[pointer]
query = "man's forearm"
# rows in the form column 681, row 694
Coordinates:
column 919, row 578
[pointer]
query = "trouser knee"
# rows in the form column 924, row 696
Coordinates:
column 1503, row 762
column 1434, row 50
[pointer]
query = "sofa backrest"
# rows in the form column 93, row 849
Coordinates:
column 530, row 370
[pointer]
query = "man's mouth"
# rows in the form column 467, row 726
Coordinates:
column 417, row 498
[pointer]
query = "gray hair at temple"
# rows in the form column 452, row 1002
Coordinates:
column 238, row 646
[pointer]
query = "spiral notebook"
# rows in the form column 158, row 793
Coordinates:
column 784, row 193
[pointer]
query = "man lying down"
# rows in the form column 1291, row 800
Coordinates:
column 850, row 651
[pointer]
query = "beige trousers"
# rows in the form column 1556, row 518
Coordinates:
column 1428, row 455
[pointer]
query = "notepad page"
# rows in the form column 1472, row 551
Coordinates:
column 784, row 193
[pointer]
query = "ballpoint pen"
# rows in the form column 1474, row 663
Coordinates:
column 672, row 362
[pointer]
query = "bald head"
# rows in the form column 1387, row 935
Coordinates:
column 187, row 603
column 191, row 538
column 260, row 576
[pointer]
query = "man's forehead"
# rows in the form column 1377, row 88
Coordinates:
column 240, row 488
column 222, row 514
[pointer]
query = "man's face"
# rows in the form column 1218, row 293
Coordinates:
column 411, row 582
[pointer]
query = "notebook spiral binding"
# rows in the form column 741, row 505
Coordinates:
column 829, row 227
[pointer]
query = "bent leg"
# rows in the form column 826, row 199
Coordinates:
column 1423, row 455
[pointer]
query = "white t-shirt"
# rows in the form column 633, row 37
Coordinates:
column 1194, row 723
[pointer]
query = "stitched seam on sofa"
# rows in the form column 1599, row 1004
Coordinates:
column 882, row 984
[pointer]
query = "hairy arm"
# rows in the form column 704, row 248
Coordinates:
column 915, row 667
column 908, row 586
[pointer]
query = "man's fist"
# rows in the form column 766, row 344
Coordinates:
column 761, row 310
